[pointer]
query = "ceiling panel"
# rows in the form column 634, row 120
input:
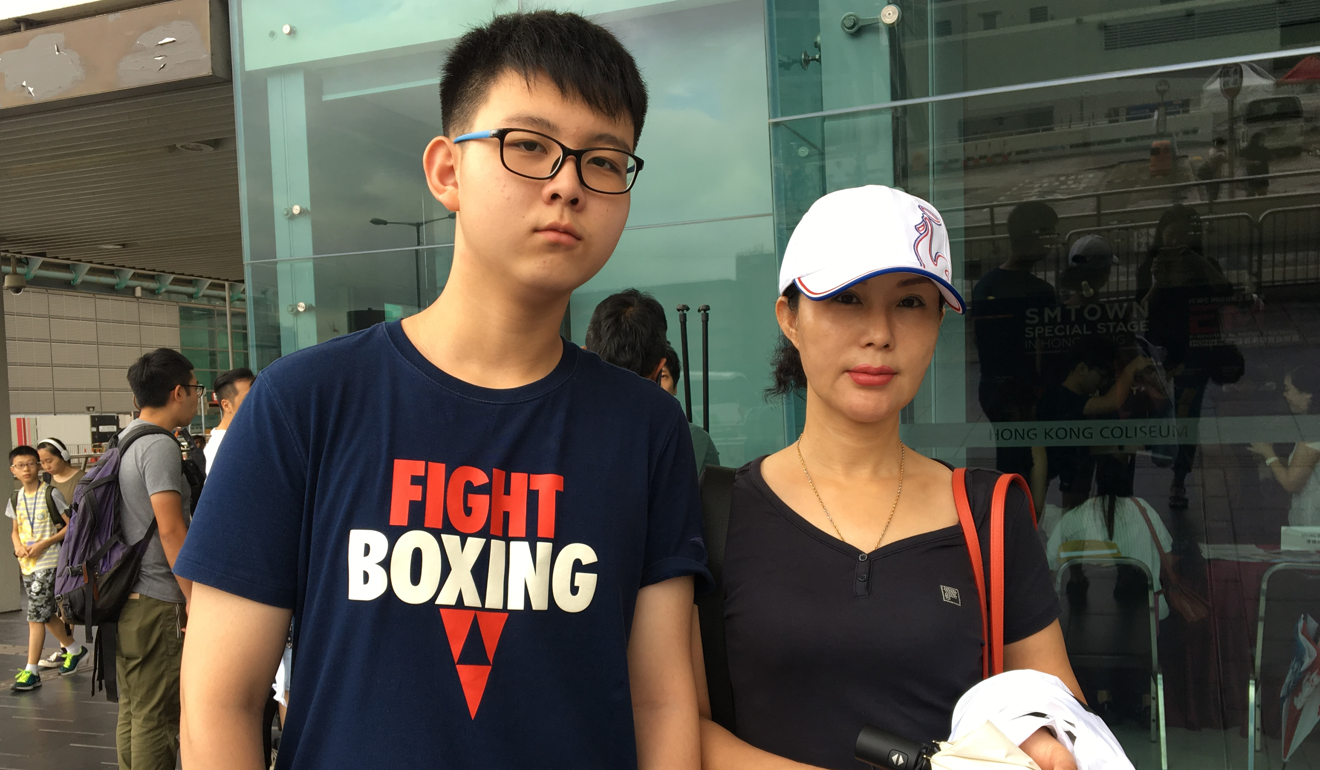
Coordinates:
column 77, row 178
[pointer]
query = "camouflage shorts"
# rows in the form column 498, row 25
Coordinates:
column 40, row 589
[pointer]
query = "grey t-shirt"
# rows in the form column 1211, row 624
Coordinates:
column 152, row 464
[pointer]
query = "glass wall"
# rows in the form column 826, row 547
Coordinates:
column 1136, row 224
column 333, row 120
column 1133, row 189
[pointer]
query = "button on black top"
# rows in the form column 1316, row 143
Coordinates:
column 861, row 557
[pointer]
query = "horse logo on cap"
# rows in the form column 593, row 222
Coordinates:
column 926, row 238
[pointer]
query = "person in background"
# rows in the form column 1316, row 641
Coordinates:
column 1086, row 393
column 1256, row 159
column 1297, row 473
column 1114, row 515
column 1007, row 303
column 672, row 371
column 1184, row 289
column 231, row 388
column 153, row 487
column 40, row 522
column 628, row 330
column 1213, row 168
column 702, row 444
column 55, row 458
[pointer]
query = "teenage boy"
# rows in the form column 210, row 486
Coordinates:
column 465, row 490
column 231, row 388
column 628, row 330
column 152, row 487
column 37, row 534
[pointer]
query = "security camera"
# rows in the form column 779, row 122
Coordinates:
column 15, row 283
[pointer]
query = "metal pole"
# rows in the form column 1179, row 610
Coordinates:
column 1232, row 146
column 705, row 367
column 421, row 269
column 687, row 381
column 229, row 324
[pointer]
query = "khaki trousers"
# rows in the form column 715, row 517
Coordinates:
column 147, row 662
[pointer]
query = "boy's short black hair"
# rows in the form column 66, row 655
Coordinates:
column 1094, row 351
column 673, row 364
column 155, row 376
column 1025, row 220
column 226, row 385
column 581, row 57
column 23, row 450
column 628, row 330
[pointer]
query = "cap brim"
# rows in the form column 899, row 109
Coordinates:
column 814, row 286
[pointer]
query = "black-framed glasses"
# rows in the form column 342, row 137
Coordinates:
column 535, row 155
column 198, row 389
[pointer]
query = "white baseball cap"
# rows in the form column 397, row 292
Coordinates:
column 851, row 235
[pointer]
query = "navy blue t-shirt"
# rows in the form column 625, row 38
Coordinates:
column 463, row 563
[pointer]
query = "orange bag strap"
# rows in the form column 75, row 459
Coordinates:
column 997, row 513
column 991, row 596
column 974, row 551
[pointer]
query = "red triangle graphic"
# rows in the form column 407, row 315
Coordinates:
column 473, row 679
column 457, row 624
column 491, row 625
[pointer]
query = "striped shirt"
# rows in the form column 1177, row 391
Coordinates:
column 35, row 523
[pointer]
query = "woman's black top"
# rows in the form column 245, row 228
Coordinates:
column 824, row 639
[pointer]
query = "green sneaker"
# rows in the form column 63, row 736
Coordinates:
column 71, row 661
column 26, row 680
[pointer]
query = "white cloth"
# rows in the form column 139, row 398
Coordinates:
column 985, row 748
column 212, row 447
column 282, row 675
column 1304, row 511
column 1021, row 702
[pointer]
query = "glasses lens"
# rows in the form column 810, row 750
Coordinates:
column 531, row 154
column 608, row 171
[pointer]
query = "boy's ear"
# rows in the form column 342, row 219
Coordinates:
column 440, row 164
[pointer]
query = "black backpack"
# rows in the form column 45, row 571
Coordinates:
column 55, row 516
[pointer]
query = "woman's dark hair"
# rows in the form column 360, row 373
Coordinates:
column 1306, row 378
column 582, row 58
column 786, row 373
column 1113, row 479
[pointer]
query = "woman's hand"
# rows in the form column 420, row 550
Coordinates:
column 1046, row 751
column 1261, row 448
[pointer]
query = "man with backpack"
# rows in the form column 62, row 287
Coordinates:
column 39, row 513
column 153, row 488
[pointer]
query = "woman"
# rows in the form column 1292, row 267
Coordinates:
column 55, row 459
column 1297, row 473
column 849, row 594
column 1116, row 516
column 1183, row 290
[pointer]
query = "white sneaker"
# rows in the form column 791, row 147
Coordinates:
column 55, row 660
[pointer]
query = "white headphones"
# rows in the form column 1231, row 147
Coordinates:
column 55, row 445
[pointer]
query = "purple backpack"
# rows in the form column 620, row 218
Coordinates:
column 97, row 567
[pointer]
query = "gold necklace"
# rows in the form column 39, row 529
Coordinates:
column 902, row 458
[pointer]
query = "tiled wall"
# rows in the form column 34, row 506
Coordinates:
column 69, row 351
